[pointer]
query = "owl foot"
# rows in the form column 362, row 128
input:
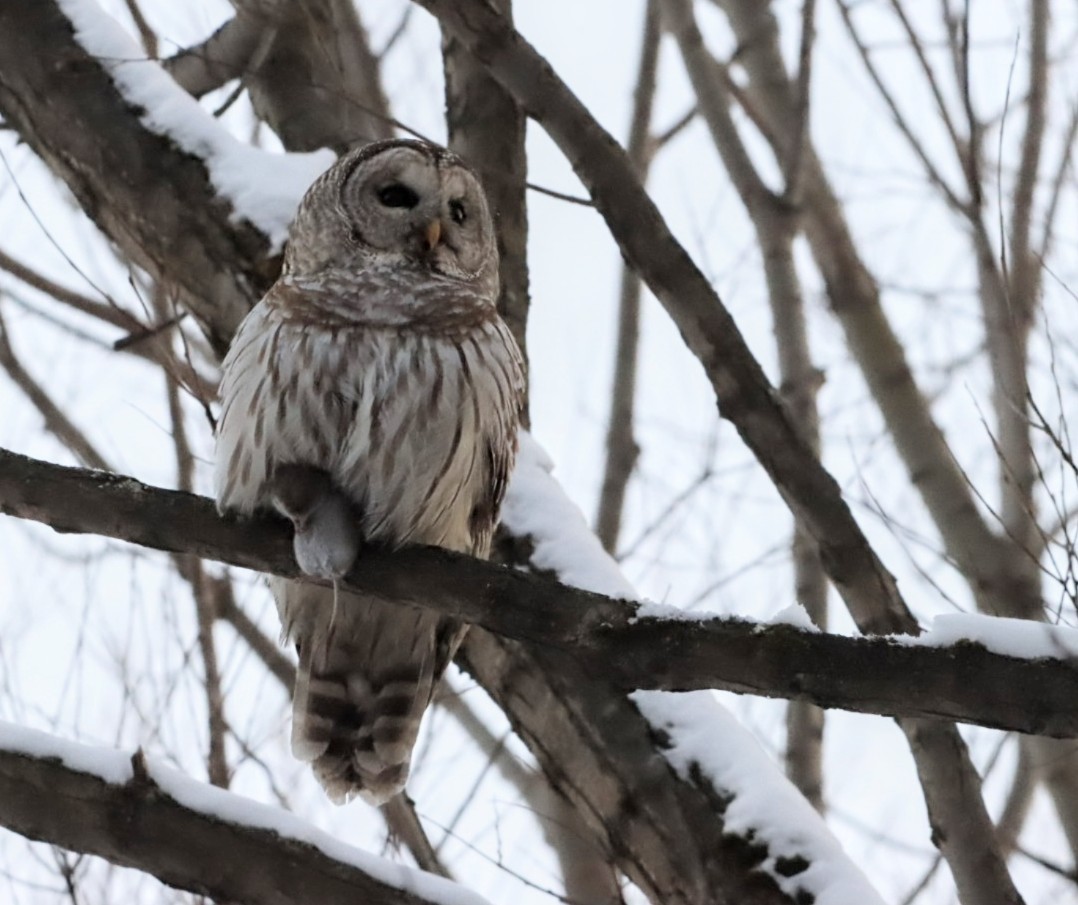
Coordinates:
column 327, row 538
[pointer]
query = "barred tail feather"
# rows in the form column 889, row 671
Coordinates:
column 365, row 677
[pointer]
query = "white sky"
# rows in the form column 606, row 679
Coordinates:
column 70, row 627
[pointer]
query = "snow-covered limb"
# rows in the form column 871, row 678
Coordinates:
column 633, row 646
column 262, row 187
column 963, row 828
column 167, row 212
column 530, row 607
column 699, row 738
column 190, row 835
column 643, row 808
column 705, row 741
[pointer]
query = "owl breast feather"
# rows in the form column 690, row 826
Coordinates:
column 404, row 417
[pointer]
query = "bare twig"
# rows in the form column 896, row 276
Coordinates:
column 622, row 449
column 608, row 637
column 146, row 34
column 799, row 127
column 900, row 120
column 56, row 422
column 109, row 313
column 674, row 129
column 561, row 196
column 587, row 872
column 961, row 148
column 144, row 333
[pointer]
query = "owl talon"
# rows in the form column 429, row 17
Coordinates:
column 328, row 544
column 327, row 539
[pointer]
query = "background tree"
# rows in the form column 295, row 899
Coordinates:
column 940, row 406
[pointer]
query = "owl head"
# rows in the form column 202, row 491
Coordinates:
column 398, row 203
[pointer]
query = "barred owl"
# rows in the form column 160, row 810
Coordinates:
column 373, row 395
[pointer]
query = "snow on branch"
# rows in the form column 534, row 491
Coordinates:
column 706, row 747
column 262, row 187
column 1028, row 687
column 612, row 639
column 137, row 813
column 962, row 828
column 703, row 738
column 193, row 206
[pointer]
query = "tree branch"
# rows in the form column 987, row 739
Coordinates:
column 622, row 450
column 109, row 312
column 615, row 639
column 319, row 84
column 624, row 821
column 487, row 128
column 164, row 213
column 56, row 422
column 223, row 56
column 189, row 835
column 776, row 223
column 742, row 390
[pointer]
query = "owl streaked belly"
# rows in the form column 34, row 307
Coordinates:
column 401, row 420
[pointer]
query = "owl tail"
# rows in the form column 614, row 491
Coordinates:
column 367, row 671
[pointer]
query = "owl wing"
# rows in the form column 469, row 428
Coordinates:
column 238, row 476
column 500, row 438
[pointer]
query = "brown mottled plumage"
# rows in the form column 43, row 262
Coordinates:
column 373, row 394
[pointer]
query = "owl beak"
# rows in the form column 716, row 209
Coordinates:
column 433, row 234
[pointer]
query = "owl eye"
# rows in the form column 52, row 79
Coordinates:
column 398, row 195
column 457, row 212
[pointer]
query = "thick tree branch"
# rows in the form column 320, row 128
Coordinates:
column 668, row 799
column 743, row 393
column 223, row 56
column 747, row 399
column 188, row 835
column 776, row 223
column 487, row 128
column 962, row 828
column 164, row 213
column 614, row 639
column 319, row 84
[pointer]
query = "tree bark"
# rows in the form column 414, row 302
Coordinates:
column 164, row 213
column 187, row 843
column 616, row 640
